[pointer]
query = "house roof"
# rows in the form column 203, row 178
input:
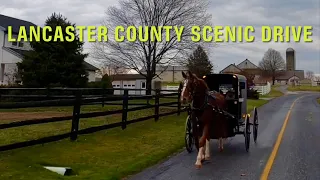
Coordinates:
column 119, row 77
column 17, row 52
column 6, row 21
column 246, row 61
column 230, row 66
column 285, row 75
column 90, row 67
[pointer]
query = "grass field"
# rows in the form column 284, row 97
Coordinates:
column 273, row 92
column 110, row 154
column 318, row 100
column 304, row 88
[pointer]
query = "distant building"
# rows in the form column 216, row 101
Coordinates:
column 129, row 81
column 247, row 68
column 91, row 70
column 290, row 59
column 168, row 73
column 288, row 76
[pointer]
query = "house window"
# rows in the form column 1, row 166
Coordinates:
column 125, row 85
column 133, row 85
column 118, row 85
column 143, row 85
column 20, row 44
column 14, row 43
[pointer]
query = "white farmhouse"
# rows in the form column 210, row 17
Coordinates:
column 13, row 52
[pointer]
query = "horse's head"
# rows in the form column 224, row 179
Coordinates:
column 188, row 87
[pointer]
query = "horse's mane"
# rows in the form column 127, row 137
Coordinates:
column 201, row 81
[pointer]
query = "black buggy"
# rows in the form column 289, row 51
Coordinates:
column 234, row 88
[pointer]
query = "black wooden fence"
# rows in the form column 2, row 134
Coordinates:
column 77, row 100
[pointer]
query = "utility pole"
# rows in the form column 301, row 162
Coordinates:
column 173, row 74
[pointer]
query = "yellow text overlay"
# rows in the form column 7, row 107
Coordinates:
column 162, row 33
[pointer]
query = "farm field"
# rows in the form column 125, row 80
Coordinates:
column 304, row 88
column 109, row 154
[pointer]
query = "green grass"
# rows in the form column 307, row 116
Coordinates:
column 273, row 92
column 109, row 154
column 251, row 103
column 304, row 88
column 318, row 100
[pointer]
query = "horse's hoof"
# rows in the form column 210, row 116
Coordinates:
column 198, row 166
column 221, row 149
column 207, row 158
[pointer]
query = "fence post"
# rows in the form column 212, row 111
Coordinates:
column 76, row 116
column 103, row 95
column 125, row 109
column 179, row 97
column 48, row 92
column 156, row 103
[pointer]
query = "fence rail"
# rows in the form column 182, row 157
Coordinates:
column 263, row 89
column 79, row 100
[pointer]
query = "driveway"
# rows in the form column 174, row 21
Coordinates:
column 297, row 157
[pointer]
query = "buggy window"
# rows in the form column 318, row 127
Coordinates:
column 224, row 88
column 242, row 85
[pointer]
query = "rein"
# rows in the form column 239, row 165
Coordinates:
column 205, row 103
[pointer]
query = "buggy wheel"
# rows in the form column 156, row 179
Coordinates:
column 189, row 139
column 195, row 129
column 255, row 125
column 247, row 133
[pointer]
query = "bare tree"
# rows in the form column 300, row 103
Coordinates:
column 317, row 78
column 112, row 70
column 272, row 63
column 149, row 54
column 309, row 75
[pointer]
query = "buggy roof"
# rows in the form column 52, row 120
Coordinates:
column 227, row 76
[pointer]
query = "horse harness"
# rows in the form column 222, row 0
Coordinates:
column 208, row 94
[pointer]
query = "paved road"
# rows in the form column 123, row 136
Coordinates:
column 298, row 155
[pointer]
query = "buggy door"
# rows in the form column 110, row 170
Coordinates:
column 242, row 98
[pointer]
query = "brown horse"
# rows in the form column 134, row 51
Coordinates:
column 213, row 124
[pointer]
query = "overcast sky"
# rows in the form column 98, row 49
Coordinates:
column 232, row 12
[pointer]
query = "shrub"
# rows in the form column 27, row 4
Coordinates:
column 104, row 83
column 252, row 94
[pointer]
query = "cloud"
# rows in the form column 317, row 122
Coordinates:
column 255, row 13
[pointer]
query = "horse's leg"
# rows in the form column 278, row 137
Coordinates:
column 221, row 144
column 207, row 153
column 200, row 156
column 202, row 143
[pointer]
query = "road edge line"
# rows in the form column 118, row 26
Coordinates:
column 272, row 157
